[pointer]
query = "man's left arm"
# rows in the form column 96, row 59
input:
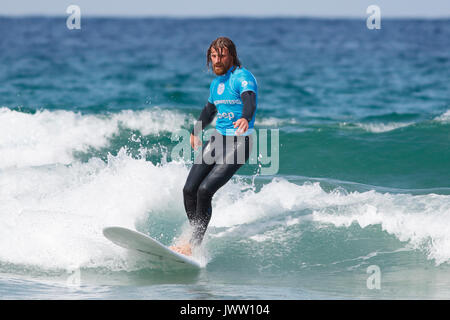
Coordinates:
column 249, row 102
column 248, row 110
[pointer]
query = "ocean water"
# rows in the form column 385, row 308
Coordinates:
column 89, row 120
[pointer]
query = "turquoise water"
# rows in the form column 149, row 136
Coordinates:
column 88, row 127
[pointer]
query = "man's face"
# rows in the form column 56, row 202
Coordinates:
column 221, row 60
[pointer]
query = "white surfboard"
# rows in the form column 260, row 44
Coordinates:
column 137, row 241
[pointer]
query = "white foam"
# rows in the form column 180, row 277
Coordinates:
column 421, row 220
column 275, row 198
column 384, row 127
column 445, row 117
column 379, row 127
column 52, row 217
column 274, row 122
column 48, row 137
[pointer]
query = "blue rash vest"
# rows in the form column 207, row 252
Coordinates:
column 225, row 93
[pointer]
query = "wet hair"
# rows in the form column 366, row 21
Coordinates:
column 220, row 43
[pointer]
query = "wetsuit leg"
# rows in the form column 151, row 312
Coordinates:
column 219, row 174
column 196, row 175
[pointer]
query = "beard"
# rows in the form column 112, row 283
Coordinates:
column 219, row 69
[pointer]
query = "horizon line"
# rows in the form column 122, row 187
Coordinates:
column 224, row 16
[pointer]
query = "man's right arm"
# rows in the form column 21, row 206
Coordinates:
column 206, row 117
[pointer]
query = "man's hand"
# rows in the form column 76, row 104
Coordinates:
column 242, row 125
column 195, row 142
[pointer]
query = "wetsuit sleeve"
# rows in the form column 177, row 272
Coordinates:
column 249, row 102
column 206, row 117
column 211, row 88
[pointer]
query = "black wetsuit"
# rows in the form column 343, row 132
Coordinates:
column 219, row 162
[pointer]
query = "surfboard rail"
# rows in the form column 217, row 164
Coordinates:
column 137, row 241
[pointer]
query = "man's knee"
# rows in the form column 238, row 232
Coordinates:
column 204, row 191
column 189, row 191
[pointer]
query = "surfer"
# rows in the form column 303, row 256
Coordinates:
column 233, row 97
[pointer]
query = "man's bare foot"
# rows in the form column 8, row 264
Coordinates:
column 184, row 248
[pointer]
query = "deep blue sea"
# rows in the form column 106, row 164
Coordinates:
column 90, row 119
